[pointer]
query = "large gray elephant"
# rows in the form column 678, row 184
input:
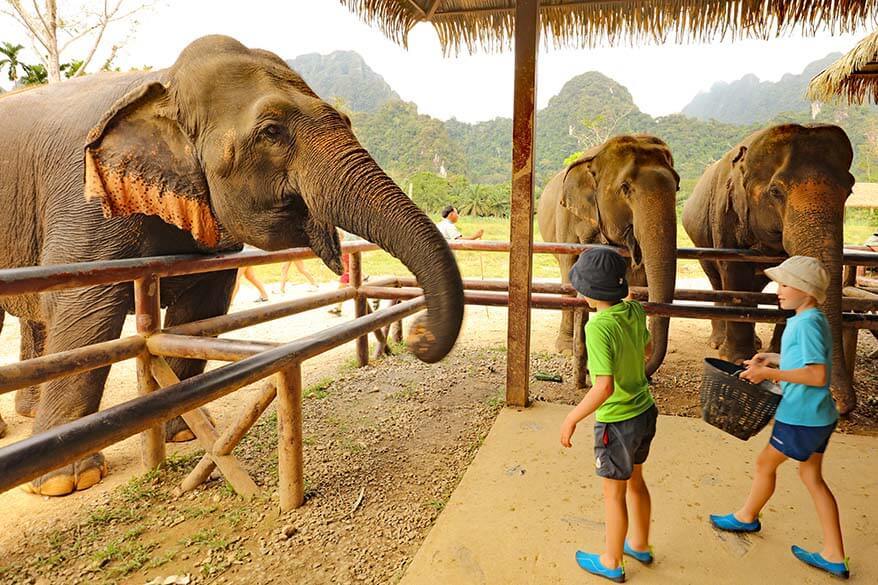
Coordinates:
column 780, row 191
column 622, row 193
column 228, row 146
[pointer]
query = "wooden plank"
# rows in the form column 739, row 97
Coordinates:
column 521, row 225
column 147, row 312
column 290, row 467
column 207, row 435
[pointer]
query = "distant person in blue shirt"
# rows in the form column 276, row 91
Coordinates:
column 806, row 416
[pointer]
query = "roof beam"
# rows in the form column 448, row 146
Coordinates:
column 418, row 7
column 431, row 9
column 465, row 12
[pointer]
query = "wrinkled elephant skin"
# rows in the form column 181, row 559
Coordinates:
column 228, row 146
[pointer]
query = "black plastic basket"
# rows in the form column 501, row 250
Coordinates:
column 734, row 405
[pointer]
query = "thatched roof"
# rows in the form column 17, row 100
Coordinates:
column 854, row 77
column 488, row 24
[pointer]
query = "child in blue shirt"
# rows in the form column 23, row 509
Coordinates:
column 806, row 416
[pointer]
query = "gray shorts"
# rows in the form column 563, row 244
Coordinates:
column 619, row 446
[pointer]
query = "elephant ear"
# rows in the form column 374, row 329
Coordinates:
column 579, row 189
column 139, row 160
column 738, row 198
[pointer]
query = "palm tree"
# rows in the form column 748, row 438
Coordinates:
column 10, row 60
column 35, row 74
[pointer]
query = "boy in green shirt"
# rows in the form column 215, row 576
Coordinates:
column 618, row 344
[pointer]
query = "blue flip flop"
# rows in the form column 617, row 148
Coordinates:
column 731, row 524
column 592, row 563
column 814, row 559
column 646, row 557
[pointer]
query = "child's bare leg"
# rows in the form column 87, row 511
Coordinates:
column 254, row 280
column 616, row 513
column 284, row 274
column 641, row 511
column 811, row 472
column 763, row 483
column 300, row 266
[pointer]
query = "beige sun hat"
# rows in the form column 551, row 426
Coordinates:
column 804, row 273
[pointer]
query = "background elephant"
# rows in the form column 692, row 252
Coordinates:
column 228, row 146
column 780, row 191
column 621, row 193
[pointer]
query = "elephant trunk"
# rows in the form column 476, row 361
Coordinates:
column 352, row 192
column 818, row 232
column 656, row 233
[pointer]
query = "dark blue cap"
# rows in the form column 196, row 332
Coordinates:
column 599, row 273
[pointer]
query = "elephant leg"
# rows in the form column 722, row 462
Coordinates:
column 78, row 318
column 564, row 342
column 210, row 296
column 33, row 341
column 774, row 346
column 718, row 328
column 741, row 341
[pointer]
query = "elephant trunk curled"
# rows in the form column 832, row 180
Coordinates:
column 357, row 196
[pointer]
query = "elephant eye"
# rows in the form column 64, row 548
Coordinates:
column 625, row 188
column 775, row 191
column 274, row 133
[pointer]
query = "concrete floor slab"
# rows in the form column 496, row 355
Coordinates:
column 526, row 505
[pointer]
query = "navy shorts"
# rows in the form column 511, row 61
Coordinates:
column 799, row 442
column 619, row 446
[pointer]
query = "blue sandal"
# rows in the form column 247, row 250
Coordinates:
column 646, row 557
column 731, row 524
column 814, row 559
column 592, row 563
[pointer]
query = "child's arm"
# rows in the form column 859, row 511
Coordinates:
column 764, row 359
column 810, row 375
column 601, row 389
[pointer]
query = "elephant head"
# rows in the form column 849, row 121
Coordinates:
column 627, row 188
column 232, row 146
column 789, row 185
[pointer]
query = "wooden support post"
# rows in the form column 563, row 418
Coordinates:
column 291, row 478
column 580, row 357
column 396, row 327
column 849, row 334
column 230, row 437
column 527, row 16
column 359, row 307
column 200, row 424
column 147, row 310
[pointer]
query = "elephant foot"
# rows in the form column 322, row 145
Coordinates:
column 26, row 400
column 71, row 478
column 177, row 431
column 717, row 340
column 2, row 428
column 564, row 345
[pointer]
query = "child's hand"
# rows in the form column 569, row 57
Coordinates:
column 762, row 359
column 756, row 374
column 568, row 427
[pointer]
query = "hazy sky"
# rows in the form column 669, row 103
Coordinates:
column 662, row 79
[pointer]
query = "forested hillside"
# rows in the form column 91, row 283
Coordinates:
column 469, row 164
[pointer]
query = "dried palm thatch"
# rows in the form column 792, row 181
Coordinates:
column 488, row 24
column 854, row 77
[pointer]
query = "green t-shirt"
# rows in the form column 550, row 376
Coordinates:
column 616, row 338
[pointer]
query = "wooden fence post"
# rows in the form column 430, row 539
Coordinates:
column 849, row 334
column 147, row 310
column 580, row 357
column 290, row 469
column 359, row 307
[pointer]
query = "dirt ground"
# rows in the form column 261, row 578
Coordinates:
column 384, row 448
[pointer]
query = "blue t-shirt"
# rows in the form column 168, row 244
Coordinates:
column 806, row 340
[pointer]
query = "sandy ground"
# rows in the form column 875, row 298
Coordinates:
column 411, row 384
column 526, row 504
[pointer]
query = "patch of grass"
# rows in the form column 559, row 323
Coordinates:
column 320, row 390
column 143, row 487
column 110, row 515
column 207, row 538
column 437, row 505
column 126, row 554
column 498, row 400
column 198, row 512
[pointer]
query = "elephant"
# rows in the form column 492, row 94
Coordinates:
column 621, row 193
column 228, row 146
column 781, row 191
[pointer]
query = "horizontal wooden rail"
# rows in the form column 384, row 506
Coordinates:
column 31, row 457
column 250, row 317
column 641, row 293
column 65, row 363
column 205, row 348
column 35, row 279
column 552, row 301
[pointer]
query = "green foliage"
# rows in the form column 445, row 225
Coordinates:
column 34, row 74
column 10, row 52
